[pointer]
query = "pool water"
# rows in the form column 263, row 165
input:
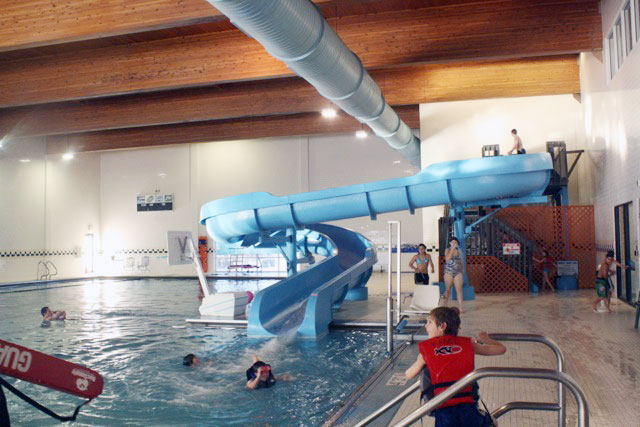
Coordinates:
column 134, row 334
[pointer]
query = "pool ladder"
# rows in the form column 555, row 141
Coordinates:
column 558, row 376
column 48, row 272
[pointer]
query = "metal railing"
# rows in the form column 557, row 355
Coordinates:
column 560, row 406
column 46, row 271
column 529, row 373
column 55, row 270
column 486, row 239
column 389, row 326
column 390, row 404
column 48, row 274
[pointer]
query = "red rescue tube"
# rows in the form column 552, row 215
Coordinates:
column 48, row 371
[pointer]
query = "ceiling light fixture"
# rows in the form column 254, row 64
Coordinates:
column 329, row 113
column 67, row 156
column 361, row 134
column 25, row 160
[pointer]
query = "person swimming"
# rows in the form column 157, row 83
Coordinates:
column 190, row 359
column 47, row 314
column 259, row 375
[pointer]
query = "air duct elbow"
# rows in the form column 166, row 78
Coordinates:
column 295, row 32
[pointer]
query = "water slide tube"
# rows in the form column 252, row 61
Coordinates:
column 277, row 309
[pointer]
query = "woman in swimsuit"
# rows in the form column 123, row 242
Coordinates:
column 419, row 265
column 453, row 271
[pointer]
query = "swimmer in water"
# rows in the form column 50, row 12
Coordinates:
column 190, row 359
column 259, row 375
column 48, row 315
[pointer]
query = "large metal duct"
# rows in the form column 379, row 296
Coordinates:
column 295, row 32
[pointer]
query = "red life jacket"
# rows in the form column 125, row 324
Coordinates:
column 448, row 359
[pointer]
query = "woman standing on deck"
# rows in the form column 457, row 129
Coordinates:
column 453, row 271
column 419, row 264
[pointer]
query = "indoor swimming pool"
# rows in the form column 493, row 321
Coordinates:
column 133, row 333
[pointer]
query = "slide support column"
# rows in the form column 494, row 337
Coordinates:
column 457, row 212
column 290, row 250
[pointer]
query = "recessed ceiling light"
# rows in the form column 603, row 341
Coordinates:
column 329, row 113
column 67, row 156
column 361, row 134
column 25, row 160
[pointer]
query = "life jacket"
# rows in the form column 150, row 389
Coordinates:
column 449, row 358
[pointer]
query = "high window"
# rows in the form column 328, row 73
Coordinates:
column 636, row 18
column 618, row 33
column 611, row 42
column 626, row 22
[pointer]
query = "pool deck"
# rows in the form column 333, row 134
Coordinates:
column 602, row 353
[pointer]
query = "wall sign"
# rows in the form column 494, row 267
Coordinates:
column 511, row 249
column 155, row 202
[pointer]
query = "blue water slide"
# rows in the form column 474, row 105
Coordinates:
column 316, row 290
column 304, row 302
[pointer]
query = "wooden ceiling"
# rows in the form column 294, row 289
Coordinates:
column 88, row 76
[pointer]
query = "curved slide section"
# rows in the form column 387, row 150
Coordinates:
column 232, row 219
column 304, row 302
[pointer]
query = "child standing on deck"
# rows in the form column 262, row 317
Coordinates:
column 603, row 288
column 547, row 265
column 448, row 358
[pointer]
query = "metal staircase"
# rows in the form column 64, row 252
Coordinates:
column 487, row 239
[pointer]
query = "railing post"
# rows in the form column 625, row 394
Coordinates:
column 398, row 269
column 562, row 412
column 389, row 292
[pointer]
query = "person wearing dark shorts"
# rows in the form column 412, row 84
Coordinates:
column 603, row 288
column 419, row 264
column 421, row 278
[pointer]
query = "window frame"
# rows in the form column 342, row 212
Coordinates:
column 635, row 18
column 619, row 40
column 627, row 24
column 611, row 50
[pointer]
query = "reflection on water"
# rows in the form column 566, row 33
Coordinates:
column 124, row 330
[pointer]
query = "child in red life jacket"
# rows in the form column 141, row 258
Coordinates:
column 448, row 358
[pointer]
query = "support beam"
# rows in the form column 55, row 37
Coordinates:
column 222, row 130
column 441, row 33
column 402, row 86
column 29, row 24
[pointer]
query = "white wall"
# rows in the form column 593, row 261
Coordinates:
column 340, row 161
column 72, row 210
column 58, row 202
column 611, row 109
column 123, row 176
column 458, row 130
column 22, row 209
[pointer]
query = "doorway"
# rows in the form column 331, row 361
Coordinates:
column 626, row 251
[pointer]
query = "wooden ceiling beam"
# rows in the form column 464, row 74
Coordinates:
column 221, row 130
column 489, row 29
column 30, row 24
column 401, row 86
